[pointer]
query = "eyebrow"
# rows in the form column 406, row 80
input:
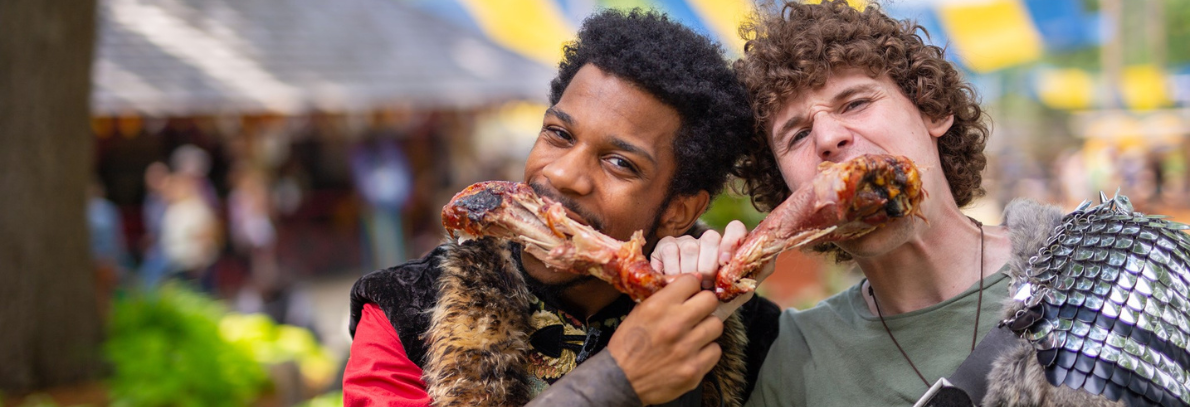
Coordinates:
column 624, row 145
column 615, row 141
column 844, row 95
column 563, row 116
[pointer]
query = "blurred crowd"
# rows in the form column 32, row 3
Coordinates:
column 185, row 234
column 1153, row 177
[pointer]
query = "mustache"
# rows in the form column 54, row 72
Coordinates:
column 595, row 221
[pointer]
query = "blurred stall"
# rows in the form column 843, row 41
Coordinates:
column 332, row 130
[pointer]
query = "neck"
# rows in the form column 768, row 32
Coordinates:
column 938, row 261
column 582, row 298
column 589, row 297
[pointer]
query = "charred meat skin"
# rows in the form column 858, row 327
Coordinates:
column 513, row 211
column 844, row 200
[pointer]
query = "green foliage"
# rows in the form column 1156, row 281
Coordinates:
column 167, row 351
column 268, row 343
column 332, row 399
column 730, row 206
column 1177, row 32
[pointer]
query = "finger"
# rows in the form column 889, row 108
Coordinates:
column 660, row 247
column 677, row 291
column 708, row 259
column 655, row 257
column 706, row 331
column 707, row 357
column 687, row 312
column 667, row 253
column 699, row 306
column 689, row 257
column 733, row 235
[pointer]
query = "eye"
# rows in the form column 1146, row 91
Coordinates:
column 801, row 134
column 798, row 136
column 557, row 134
column 622, row 164
column 855, row 104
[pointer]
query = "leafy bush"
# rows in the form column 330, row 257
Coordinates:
column 267, row 342
column 730, row 206
column 332, row 399
column 166, row 350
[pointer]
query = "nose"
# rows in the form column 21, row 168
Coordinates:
column 569, row 173
column 831, row 137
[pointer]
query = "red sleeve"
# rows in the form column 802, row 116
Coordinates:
column 378, row 372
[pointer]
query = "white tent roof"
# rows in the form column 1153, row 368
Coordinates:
column 187, row 57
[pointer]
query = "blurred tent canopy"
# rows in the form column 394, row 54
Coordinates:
column 982, row 36
column 215, row 56
column 538, row 28
column 188, row 57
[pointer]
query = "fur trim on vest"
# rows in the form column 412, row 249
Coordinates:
column 1017, row 379
column 478, row 338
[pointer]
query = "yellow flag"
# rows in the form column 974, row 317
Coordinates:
column 1070, row 89
column 724, row 17
column 991, row 34
column 534, row 28
column 1143, row 87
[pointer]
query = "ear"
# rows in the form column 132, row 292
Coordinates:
column 681, row 213
column 938, row 127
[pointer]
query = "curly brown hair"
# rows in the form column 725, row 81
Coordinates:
column 796, row 50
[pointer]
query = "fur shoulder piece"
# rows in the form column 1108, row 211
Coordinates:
column 1029, row 225
column 478, row 335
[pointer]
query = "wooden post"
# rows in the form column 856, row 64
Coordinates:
column 50, row 327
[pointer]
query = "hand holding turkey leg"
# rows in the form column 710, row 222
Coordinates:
column 704, row 256
column 667, row 343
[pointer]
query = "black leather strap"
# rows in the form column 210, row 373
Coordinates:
column 972, row 374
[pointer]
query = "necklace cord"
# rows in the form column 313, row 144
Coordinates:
column 979, row 303
column 894, row 339
column 978, row 308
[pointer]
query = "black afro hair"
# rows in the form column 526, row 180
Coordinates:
column 680, row 68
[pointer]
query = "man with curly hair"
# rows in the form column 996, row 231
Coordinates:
column 827, row 83
column 642, row 131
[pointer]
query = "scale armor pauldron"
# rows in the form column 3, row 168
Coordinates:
column 1104, row 302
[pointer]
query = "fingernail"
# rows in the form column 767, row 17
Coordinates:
column 724, row 258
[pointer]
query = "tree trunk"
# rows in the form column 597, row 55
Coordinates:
column 50, row 328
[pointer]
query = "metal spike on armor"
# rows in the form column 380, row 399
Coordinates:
column 1107, row 305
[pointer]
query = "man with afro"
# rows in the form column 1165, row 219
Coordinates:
column 645, row 124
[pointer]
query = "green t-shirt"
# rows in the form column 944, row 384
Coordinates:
column 838, row 354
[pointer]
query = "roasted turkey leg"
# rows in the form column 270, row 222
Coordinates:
column 844, row 200
column 513, row 211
